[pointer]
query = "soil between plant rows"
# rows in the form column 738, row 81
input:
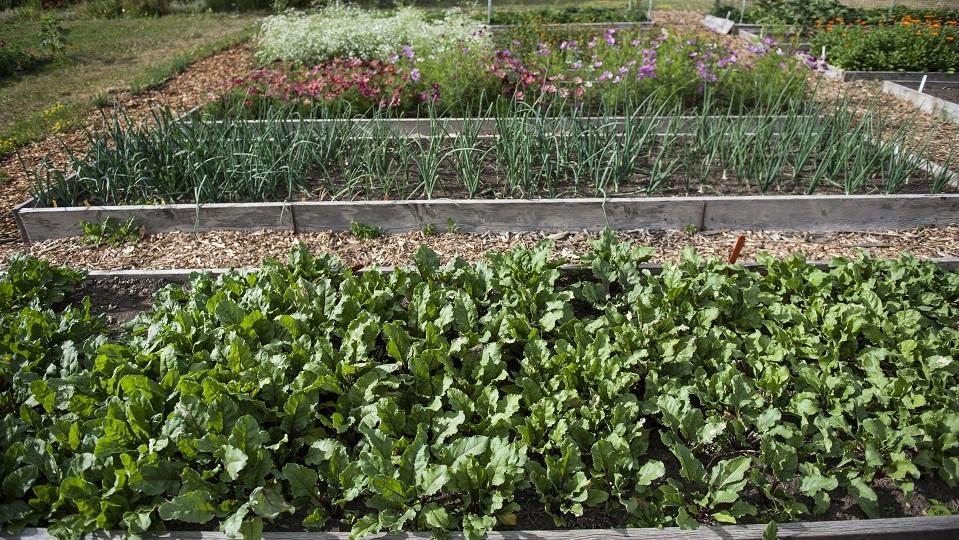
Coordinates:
column 946, row 91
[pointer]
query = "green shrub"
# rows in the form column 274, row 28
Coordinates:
column 17, row 60
column 238, row 5
column 890, row 48
column 566, row 15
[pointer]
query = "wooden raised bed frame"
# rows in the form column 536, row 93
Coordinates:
column 923, row 528
column 933, row 105
column 814, row 213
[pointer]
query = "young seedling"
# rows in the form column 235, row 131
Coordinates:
column 364, row 231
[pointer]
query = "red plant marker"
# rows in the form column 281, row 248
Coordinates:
column 737, row 248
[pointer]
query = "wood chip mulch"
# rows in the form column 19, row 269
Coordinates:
column 243, row 249
column 207, row 78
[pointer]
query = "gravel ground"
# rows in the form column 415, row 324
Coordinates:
column 235, row 249
column 207, row 78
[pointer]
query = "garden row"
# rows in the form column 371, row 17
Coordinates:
column 855, row 39
column 403, row 62
column 473, row 397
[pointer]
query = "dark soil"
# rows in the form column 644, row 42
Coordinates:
column 118, row 299
column 397, row 178
column 946, row 91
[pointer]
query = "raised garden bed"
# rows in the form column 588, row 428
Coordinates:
column 938, row 98
column 722, row 25
column 809, row 213
column 533, row 173
column 697, row 388
column 840, row 74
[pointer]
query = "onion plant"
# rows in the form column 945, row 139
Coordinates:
column 533, row 153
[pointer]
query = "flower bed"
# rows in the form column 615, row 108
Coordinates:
column 475, row 397
column 346, row 32
column 586, row 69
column 819, row 13
column 928, row 45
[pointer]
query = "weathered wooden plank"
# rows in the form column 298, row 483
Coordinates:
column 809, row 212
column 46, row 223
column 922, row 528
column 840, row 74
column 183, row 274
column 506, row 215
column 933, row 105
column 720, row 25
column 487, row 127
column 621, row 25
column 831, row 212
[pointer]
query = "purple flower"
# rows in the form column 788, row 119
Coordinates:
column 622, row 70
column 726, row 61
column 562, row 46
column 577, row 65
column 704, row 73
column 635, row 42
column 597, row 65
column 415, row 74
column 408, row 51
column 605, row 76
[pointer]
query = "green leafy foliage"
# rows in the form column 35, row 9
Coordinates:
column 307, row 396
column 111, row 232
column 567, row 15
column 917, row 46
column 364, row 231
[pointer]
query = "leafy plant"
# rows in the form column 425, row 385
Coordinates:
column 364, row 231
column 53, row 35
column 567, row 15
column 436, row 398
column 908, row 46
column 111, row 232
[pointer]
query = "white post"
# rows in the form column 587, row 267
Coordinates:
column 489, row 12
column 742, row 12
column 922, row 85
column 649, row 11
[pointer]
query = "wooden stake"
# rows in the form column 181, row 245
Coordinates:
column 737, row 248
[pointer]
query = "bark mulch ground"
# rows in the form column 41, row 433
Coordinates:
column 243, row 249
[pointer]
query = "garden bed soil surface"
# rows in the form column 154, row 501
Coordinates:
column 941, row 90
column 243, row 249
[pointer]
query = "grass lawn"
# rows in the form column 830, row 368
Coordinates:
column 102, row 54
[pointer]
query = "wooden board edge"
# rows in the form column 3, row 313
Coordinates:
column 936, row 106
column 949, row 264
column 911, row 528
column 625, row 213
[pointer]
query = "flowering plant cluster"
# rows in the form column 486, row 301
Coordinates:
column 911, row 44
column 594, row 70
column 347, row 32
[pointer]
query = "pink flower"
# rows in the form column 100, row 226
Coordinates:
column 605, row 76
